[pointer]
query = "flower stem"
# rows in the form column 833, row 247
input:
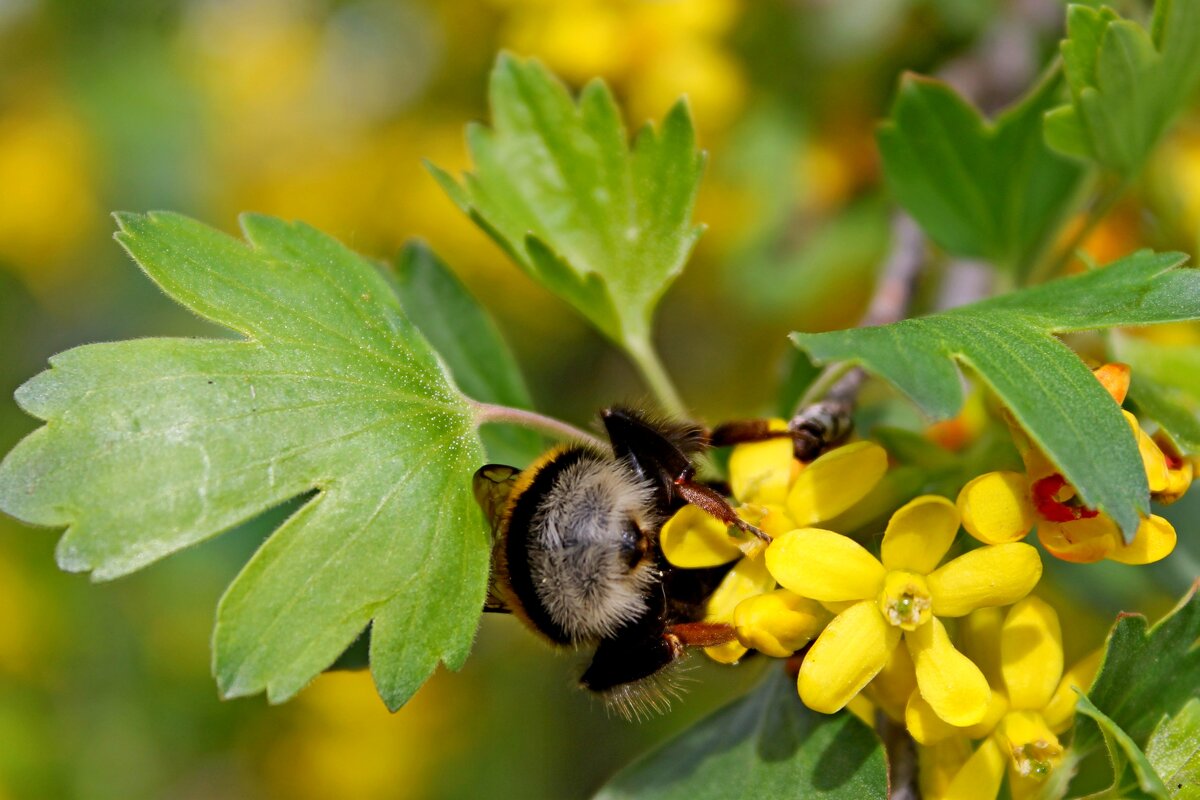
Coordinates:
column 489, row 413
column 646, row 359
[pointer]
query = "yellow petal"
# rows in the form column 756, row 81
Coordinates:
column 997, row 708
column 1154, row 540
column 995, row 507
column 748, row 578
column 979, row 640
column 759, row 472
column 994, row 575
column 693, row 539
column 771, row 518
column 1152, row 457
column 952, row 685
column 1081, row 541
column 1115, row 380
column 730, row 652
column 846, row 656
column 919, row 534
column 937, row 766
column 924, row 725
column 862, row 708
column 1059, row 713
column 835, row 482
column 894, row 684
column 1031, row 654
column 778, row 623
column 1034, row 749
column 824, row 565
column 980, row 777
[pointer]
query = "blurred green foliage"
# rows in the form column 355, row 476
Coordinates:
column 323, row 110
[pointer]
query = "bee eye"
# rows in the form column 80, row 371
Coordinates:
column 632, row 545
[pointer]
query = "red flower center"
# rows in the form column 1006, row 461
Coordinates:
column 1046, row 500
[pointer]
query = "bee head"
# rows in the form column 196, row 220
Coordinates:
column 579, row 551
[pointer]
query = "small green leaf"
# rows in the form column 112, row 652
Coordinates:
column 1174, row 751
column 1123, row 752
column 467, row 339
column 767, row 744
column 605, row 226
column 154, row 445
column 984, row 190
column 1147, row 671
column 1127, row 83
column 1007, row 341
column 1165, row 384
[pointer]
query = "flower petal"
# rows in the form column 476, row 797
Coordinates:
column 919, row 534
column 979, row 640
column 1081, row 541
column 980, row 777
column 997, row 708
column 824, row 565
column 846, row 656
column 1153, row 459
column 693, row 538
column 895, row 683
column 1154, row 540
column 937, row 766
column 1059, row 713
column 1114, row 378
column 1031, row 654
column 995, row 507
column 759, row 472
column 924, row 725
column 951, row 684
column 995, row 575
column 835, row 482
column 778, row 623
column 748, row 578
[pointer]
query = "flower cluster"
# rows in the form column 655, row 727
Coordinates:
column 917, row 632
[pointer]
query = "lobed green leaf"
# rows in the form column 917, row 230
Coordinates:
column 1124, row 753
column 154, row 445
column 605, row 226
column 1174, row 751
column 1165, row 384
column 987, row 190
column 1127, row 83
column 1147, row 672
column 465, row 337
column 767, row 744
column 1009, row 343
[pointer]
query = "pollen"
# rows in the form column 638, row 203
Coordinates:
column 905, row 601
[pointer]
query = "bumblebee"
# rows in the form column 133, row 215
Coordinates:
column 576, row 554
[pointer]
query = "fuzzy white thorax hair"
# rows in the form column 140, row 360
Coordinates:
column 575, row 556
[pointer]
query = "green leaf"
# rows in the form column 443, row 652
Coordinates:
column 767, row 744
column 1174, row 751
column 154, row 445
column 1147, row 671
column 467, row 339
column 1007, row 341
column 1123, row 752
column 1127, row 83
column 1165, row 384
column 992, row 191
column 605, row 226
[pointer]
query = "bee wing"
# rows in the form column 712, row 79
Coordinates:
column 492, row 484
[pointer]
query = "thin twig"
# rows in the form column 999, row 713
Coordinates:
column 901, row 758
column 488, row 412
column 888, row 304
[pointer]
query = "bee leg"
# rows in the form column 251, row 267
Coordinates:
column 702, row 634
column 714, row 504
column 814, row 428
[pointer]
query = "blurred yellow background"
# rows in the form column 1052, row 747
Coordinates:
column 323, row 111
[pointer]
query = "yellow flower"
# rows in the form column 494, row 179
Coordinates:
column 1000, row 507
column 1033, row 703
column 778, row 494
column 901, row 595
